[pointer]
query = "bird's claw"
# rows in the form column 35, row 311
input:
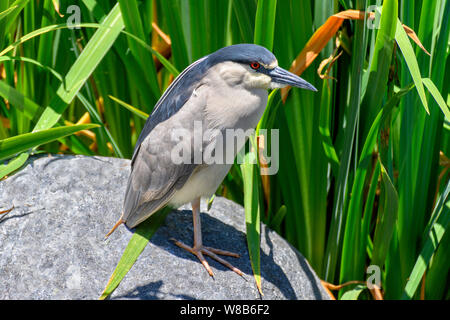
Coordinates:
column 199, row 251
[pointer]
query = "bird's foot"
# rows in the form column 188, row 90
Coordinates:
column 198, row 251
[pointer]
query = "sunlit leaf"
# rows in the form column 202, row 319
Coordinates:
column 136, row 245
column 23, row 142
column 411, row 60
column 136, row 111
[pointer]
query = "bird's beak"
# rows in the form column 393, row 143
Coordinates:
column 282, row 78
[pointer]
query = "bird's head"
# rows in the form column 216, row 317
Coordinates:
column 255, row 67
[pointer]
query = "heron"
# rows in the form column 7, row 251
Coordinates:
column 225, row 90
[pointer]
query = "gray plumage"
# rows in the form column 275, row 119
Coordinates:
column 222, row 91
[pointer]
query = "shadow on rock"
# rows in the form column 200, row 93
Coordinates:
column 219, row 235
column 151, row 291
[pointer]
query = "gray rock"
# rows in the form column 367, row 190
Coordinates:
column 52, row 247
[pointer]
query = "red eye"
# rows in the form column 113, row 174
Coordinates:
column 254, row 65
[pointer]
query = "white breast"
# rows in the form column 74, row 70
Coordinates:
column 236, row 97
column 203, row 183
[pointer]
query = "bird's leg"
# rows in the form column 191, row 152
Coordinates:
column 198, row 249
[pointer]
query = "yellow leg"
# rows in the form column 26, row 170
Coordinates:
column 198, row 249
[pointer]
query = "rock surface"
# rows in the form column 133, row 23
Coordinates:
column 52, row 247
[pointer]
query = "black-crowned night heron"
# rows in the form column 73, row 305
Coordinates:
column 225, row 90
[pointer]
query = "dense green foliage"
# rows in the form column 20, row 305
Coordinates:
column 363, row 173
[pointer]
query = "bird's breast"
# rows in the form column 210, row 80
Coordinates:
column 235, row 108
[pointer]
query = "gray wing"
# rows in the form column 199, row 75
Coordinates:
column 154, row 177
column 153, row 180
column 174, row 98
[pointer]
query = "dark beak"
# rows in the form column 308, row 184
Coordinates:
column 284, row 77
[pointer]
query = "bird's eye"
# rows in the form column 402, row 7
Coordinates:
column 254, row 65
